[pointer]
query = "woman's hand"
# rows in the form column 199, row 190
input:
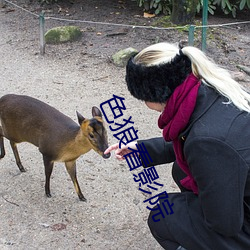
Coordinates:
column 120, row 152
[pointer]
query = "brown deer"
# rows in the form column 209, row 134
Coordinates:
column 59, row 138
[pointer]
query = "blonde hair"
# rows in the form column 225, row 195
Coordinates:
column 203, row 67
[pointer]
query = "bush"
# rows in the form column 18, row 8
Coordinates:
column 165, row 6
column 156, row 6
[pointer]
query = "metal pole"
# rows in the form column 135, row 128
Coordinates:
column 191, row 35
column 204, row 23
column 42, row 31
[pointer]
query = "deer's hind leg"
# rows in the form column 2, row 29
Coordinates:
column 1, row 144
column 48, row 164
column 71, row 168
column 18, row 161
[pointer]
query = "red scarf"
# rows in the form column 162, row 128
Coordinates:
column 174, row 119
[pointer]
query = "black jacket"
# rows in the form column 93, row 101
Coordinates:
column 216, row 145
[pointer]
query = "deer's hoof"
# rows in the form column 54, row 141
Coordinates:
column 82, row 198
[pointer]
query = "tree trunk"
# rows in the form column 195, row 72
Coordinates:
column 183, row 11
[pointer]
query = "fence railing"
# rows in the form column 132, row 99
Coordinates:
column 191, row 28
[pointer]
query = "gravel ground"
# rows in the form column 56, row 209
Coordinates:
column 114, row 216
column 77, row 76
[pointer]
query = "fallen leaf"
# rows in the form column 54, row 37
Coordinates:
column 147, row 15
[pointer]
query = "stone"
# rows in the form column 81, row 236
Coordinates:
column 121, row 58
column 63, row 34
column 239, row 76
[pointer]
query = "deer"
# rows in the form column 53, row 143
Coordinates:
column 58, row 138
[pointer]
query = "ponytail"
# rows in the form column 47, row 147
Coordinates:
column 218, row 78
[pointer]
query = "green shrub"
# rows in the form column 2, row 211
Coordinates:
column 211, row 7
column 232, row 6
column 157, row 6
column 165, row 6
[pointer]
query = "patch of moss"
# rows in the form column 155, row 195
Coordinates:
column 163, row 22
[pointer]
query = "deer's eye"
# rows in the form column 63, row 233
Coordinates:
column 91, row 136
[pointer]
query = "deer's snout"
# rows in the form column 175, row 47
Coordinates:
column 106, row 156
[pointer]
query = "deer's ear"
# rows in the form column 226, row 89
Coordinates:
column 80, row 118
column 96, row 111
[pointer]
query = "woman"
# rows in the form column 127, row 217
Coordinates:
column 205, row 118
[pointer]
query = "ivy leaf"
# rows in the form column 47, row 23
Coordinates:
column 242, row 4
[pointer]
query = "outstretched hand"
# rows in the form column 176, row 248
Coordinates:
column 120, row 152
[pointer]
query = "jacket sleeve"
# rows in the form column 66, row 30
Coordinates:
column 220, row 173
column 159, row 150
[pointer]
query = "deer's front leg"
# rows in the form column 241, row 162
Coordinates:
column 71, row 168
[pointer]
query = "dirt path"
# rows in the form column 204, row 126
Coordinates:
column 114, row 216
column 74, row 77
